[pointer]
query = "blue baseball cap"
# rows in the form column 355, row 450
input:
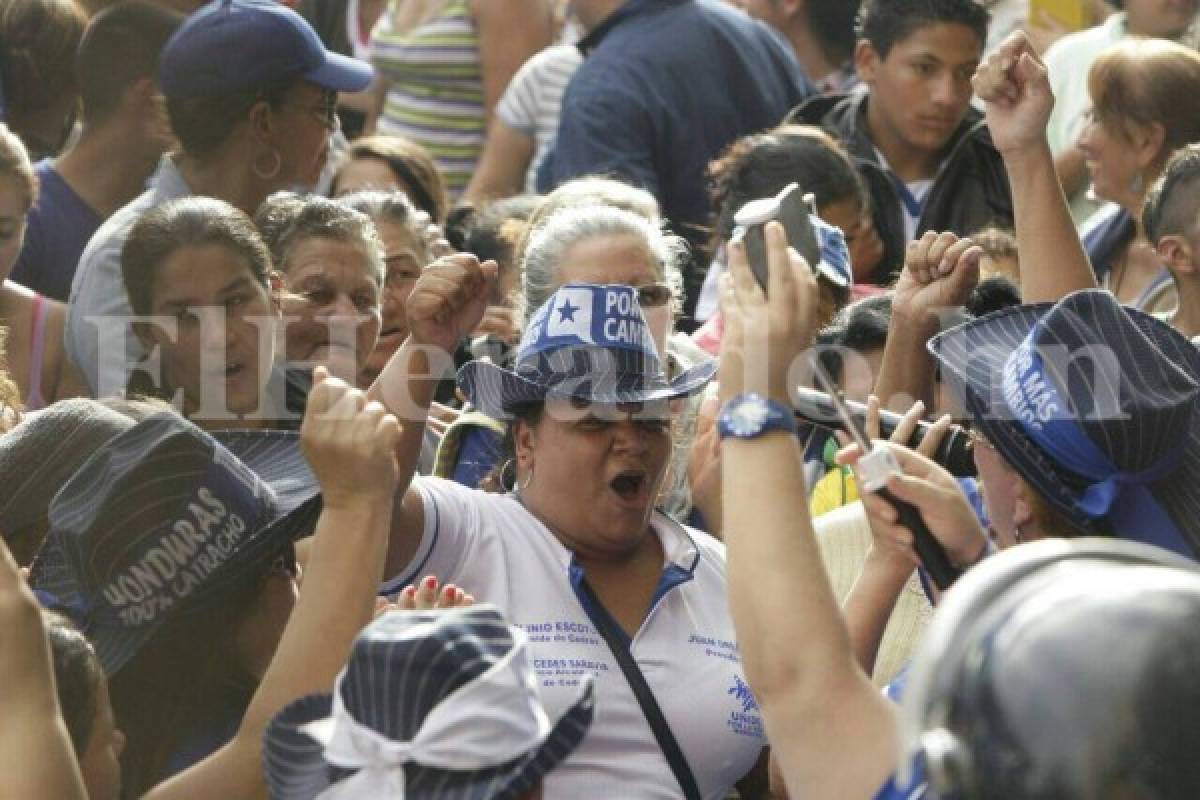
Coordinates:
column 587, row 342
column 232, row 45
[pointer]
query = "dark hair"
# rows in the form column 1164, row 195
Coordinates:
column 994, row 293
column 38, row 42
column 77, row 677
column 861, row 326
column 832, row 23
column 762, row 164
column 413, row 167
column 1173, row 205
column 204, row 123
column 187, row 222
column 120, row 47
column 496, row 480
column 884, row 23
column 394, row 207
column 492, row 231
column 181, row 685
column 286, row 218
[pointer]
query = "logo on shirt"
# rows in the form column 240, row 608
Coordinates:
column 741, row 692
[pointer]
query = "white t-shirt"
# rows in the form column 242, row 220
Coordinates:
column 492, row 547
column 533, row 99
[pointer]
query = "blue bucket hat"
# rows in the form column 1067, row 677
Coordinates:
column 231, row 45
column 587, row 342
column 1095, row 405
column 162, row 521
column 433, row 705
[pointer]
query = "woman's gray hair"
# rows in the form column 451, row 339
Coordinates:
column 392, row 206
column 555, row 235
column 595, row 190
column 286, row 218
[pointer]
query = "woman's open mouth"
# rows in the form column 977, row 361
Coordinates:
column 630, row 486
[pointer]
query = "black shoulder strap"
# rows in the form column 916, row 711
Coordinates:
column 607, row 627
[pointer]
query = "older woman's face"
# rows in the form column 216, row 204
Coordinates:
column 404, row 258
column 218, row 306
column 331, row 306
column 621, row 259
column 596, row 472
column 307, row 123
column 1113, row 164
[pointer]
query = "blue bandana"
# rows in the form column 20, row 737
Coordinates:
column 1124, row 497
column 586, row 314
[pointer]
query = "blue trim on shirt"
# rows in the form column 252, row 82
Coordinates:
column 1105, row 236
column 410, row 577
column 673, row 576
column 594, row 611
column 912, row 204
column 676, row 575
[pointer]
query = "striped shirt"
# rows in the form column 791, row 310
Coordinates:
column 435, row 88
column 533, row 99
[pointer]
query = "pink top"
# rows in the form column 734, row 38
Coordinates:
column 37, row 335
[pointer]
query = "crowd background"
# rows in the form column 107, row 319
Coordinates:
column 397, row 403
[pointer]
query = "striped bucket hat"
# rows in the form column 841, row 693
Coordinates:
column 587, row 342
column 437, row 705
column 1094, row 405
column 164, row 519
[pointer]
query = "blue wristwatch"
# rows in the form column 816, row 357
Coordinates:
column 747, row 416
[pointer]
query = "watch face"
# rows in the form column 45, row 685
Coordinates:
column 748, row 417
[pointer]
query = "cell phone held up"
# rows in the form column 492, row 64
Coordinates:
column 792, row 209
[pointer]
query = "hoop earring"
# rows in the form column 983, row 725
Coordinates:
column 268, row 174
column 515, row 487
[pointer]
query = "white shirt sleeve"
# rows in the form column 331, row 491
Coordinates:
column 453, row 528
column 518, row 106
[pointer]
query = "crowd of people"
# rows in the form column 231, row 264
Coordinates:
column 530, row 399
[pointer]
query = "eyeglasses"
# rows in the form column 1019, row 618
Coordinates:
column 654, row 295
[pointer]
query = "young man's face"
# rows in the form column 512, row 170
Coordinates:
column 921, row 91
